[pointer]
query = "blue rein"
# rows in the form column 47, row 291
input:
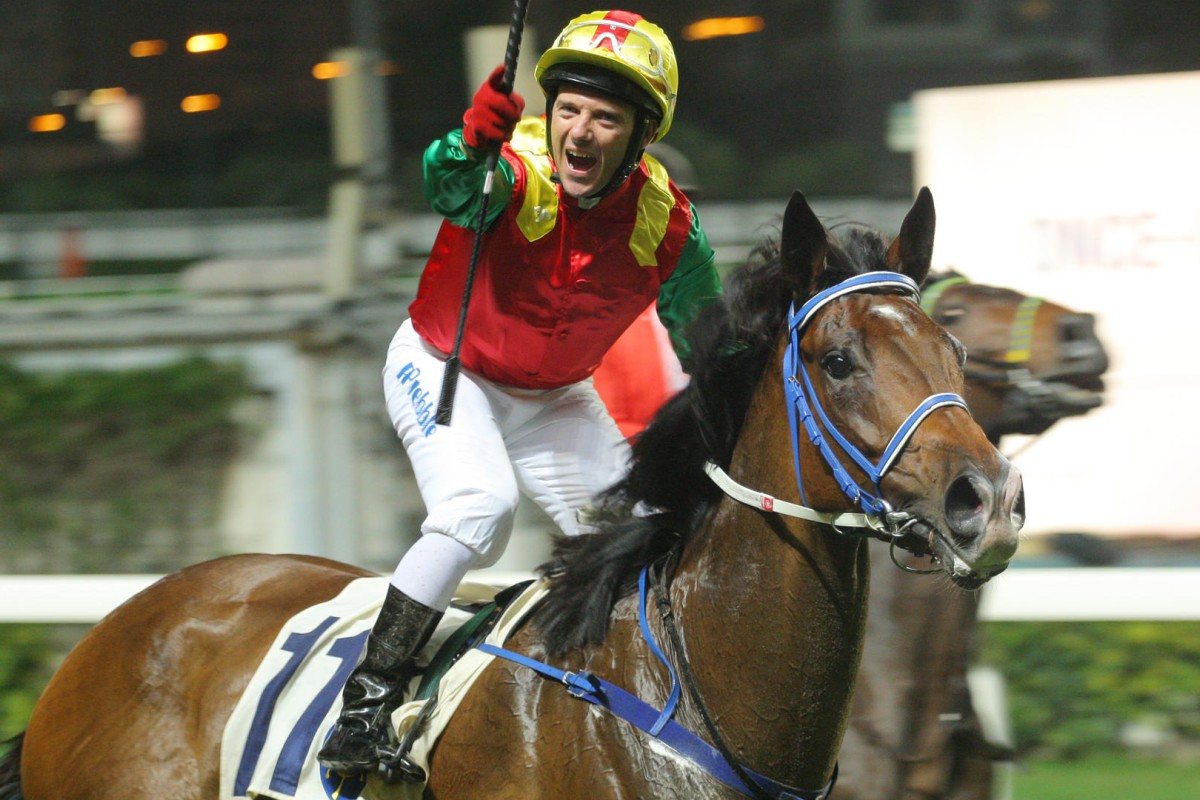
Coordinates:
column 803, row 400
column 658, row 723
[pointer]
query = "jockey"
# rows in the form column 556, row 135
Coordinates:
column 583, row 231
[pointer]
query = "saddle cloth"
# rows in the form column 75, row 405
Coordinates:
column 268, row 750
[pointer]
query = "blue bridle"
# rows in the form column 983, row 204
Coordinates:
column 803, row 401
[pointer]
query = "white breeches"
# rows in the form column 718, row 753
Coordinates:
column 560, row 447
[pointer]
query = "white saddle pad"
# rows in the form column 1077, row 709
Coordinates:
column 269, row 747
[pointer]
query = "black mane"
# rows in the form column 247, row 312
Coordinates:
column 731, row 342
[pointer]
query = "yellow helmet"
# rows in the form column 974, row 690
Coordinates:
column 619, row 53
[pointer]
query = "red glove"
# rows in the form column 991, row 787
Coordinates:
column 490, row 120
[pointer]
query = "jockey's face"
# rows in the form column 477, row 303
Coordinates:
column 589, row 134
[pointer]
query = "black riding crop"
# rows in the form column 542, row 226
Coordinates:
column 450, row 377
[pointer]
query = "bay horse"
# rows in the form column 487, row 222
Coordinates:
column 914, row 733
column 1030, row 361
column 824, row 410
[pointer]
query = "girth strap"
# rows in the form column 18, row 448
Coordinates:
column 645, row 717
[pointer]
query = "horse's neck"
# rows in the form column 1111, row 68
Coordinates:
column 772, row 614
column 773, row 610
column 919, row 631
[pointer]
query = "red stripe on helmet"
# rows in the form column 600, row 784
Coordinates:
column 606, row 33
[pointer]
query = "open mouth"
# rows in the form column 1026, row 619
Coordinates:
column 962, row 572
column 580, row 162
column 923, row 539
column 1090, row 383
column 1066, row 396
column 1075, row 399
column 1079, row 381
column 1078, row 391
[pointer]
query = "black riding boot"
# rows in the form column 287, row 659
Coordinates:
column 376, row 688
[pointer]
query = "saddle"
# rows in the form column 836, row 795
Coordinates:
column 269, row 746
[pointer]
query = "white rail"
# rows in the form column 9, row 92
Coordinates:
column 1022, row 594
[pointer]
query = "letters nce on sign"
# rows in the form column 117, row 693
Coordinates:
column 1113, row 242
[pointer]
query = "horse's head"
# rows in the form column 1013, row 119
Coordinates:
column 1030, row 362
column 869, row 374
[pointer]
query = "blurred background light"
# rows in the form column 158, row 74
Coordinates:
column 206, row 42
column 46, row 123
column 195, row 103
column 107, row 96
column 714, row 27
column 147, row 47
column 327, row 70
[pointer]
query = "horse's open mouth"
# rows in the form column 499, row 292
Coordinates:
column 924, row 539
column 1075, row 392
column 1077, row 399
column 1089, row 383
column 963, row 573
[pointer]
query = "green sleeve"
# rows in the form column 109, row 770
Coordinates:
column 693, row 285
column 454, row 174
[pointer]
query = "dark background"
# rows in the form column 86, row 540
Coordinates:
column 804, row 102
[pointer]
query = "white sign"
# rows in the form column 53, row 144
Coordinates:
column 1087, row 192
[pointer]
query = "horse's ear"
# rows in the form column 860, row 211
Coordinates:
column 803, row 244
column 912, row 251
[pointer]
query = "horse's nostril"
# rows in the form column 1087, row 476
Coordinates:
column 1018, row 511
column 1076, row 328
column 1078, row 345
column 964, row 508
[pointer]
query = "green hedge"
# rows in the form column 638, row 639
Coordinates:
column 27, row 658
column 104, row 471
column 1073, row 686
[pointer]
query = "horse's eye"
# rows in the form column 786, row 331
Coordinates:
column 948, row 316
column 837, row 365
